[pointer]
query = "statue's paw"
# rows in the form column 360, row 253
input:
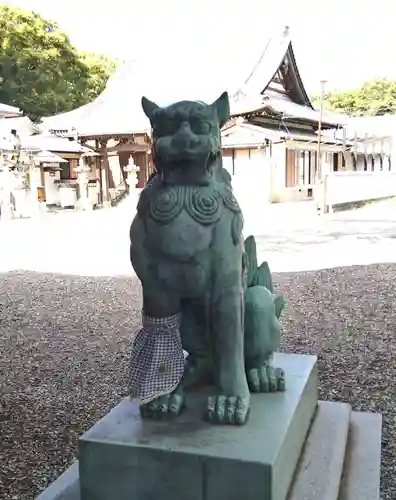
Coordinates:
column 266, row 378
column 170, row 405
column 231, row 410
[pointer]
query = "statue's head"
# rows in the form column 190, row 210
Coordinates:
column 186, row 137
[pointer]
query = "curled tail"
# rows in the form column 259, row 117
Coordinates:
column 263, row 308
column 256, row 275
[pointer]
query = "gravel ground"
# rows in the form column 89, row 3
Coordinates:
column 64, row 345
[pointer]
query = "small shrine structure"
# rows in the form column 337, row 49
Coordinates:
column 115, row 126
column 52, row 174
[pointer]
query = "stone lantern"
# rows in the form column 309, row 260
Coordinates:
column 83, row 202
column 6, row 186
column 34, row 208
column 16, row 160
column 132, row 170
column 8, row 146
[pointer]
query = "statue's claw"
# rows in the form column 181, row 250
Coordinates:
column 232, row 410
column 266, row 378
column 170, row 405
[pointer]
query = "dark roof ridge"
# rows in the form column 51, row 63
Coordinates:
column 277, row 49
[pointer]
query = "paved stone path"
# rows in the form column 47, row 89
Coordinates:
column 291, row 237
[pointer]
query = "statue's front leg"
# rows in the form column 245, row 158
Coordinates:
column 194, row 333
column 157, row 359
column 232, row 402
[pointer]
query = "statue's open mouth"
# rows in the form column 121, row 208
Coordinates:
column 188, row 156
column 186, row 172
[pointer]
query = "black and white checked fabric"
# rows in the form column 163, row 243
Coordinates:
column 157, row 360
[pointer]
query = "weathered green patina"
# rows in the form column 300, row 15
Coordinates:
column 188, row 251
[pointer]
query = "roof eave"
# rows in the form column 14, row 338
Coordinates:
column 306, row 99
column 264, row 111
column 106, row 135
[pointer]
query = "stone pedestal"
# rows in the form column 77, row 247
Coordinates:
column 6, row 212
column 125, row 458
column 34, row 210
column 132, row 171
column 6, row 207
column 83, row 202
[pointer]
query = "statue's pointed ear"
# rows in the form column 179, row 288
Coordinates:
column 149, row 107
column 222, row 106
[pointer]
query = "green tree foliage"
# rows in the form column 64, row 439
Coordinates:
column 100, row 67
column 375, row 97
column 41, row 72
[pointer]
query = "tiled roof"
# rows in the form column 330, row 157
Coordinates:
column 278, row 49
column 22, row 124
column 368, row 126
column 253, row 95
column 6, row 110
column 116, row 111
column 57, row 144
column 285, row 109
column 245, row 134
column 48, row 157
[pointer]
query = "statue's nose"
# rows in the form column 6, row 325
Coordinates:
column 184, row 137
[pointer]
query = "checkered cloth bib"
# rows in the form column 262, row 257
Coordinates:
column 157, row 360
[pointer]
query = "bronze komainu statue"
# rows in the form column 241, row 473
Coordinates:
column 202, row 288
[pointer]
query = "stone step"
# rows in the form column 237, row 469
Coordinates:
column 361, row 475
column 319, row 472
column 66, row 487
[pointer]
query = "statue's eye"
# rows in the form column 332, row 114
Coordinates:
column 200, row 127
column 165, row 126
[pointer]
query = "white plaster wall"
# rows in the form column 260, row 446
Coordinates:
column 115, row 169
column 289, row 194
column 227, row 164
column 22, row 202
column 360, row 163
column 278, row 171
column 346, row 187
column 68, row 196
column 93, row 192
column 52, row 196
column 278, row 190
column 93, row 174
column 251, row 184
column 35, row 176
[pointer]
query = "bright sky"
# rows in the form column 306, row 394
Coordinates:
column 342, row 41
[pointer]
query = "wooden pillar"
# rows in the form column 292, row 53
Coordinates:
column 146, row 167
column 150, row 164
column 144, row 170
column 99, row 169
column 106, row 170
column 123, row 157
column 139, row 159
